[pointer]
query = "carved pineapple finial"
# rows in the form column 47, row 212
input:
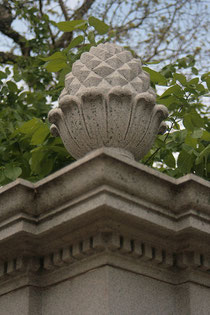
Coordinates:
column 108, row 102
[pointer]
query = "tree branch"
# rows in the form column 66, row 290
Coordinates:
column 128, row 27
column 64, row 10
column 64, row 40
column 6, row 20
column 6, row 57
column 156, row 49
column 81, row 11
column 50, row 31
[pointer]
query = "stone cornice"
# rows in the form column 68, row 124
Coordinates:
column 109, row 207
column 105, row 248
column 103, row 168
column 104, row 183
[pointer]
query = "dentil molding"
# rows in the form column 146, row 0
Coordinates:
column 104, row 209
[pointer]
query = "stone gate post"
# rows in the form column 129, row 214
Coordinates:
column 106, row 235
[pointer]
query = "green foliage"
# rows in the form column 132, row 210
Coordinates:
column 155, row 77
column 188, row 135
column 101, row 27
column 88, row 37
column 27, row 148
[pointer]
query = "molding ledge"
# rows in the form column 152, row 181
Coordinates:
column 105, row 248
column 104, row 209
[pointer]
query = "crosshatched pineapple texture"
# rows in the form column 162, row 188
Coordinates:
column 106, row 66
column 108, row 102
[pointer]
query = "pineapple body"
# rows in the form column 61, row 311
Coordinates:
column 108, row 102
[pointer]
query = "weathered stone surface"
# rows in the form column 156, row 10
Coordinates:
column 105, row 235
column 24, row 301
column 108, row 102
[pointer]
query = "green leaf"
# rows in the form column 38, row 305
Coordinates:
column 173, row 90
column 182, row 62
column 155, row 77
column 17, row 76
column 2, row 176
column 194, row 70
column 205, row 76
column 55, row 65
column 197, row 133
column 101, row 27
column 170, row 160
column 197, row 120
column 46, row 166
column 91, row 38
column 58, row 149
column 203, row 154
column 75, row 42
column 2, row 75
column 12, row 86
column 12, row 172
column 70, row 26
column 193, row 120
column 188, row 122
column 181, row 78
column 40, row 134
column 185, row 162
column 37, row 155
column 153, row 62
column 206, row 135
column 57, row 55
column 193, row 81
column 159, row 142
column 188, row 148
column 176, row 125
column 192, row 142
column 168, row 101
column 208, row 82
column 201, row 88
column 29, row 127
column 7, row 70
column 63, row 73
